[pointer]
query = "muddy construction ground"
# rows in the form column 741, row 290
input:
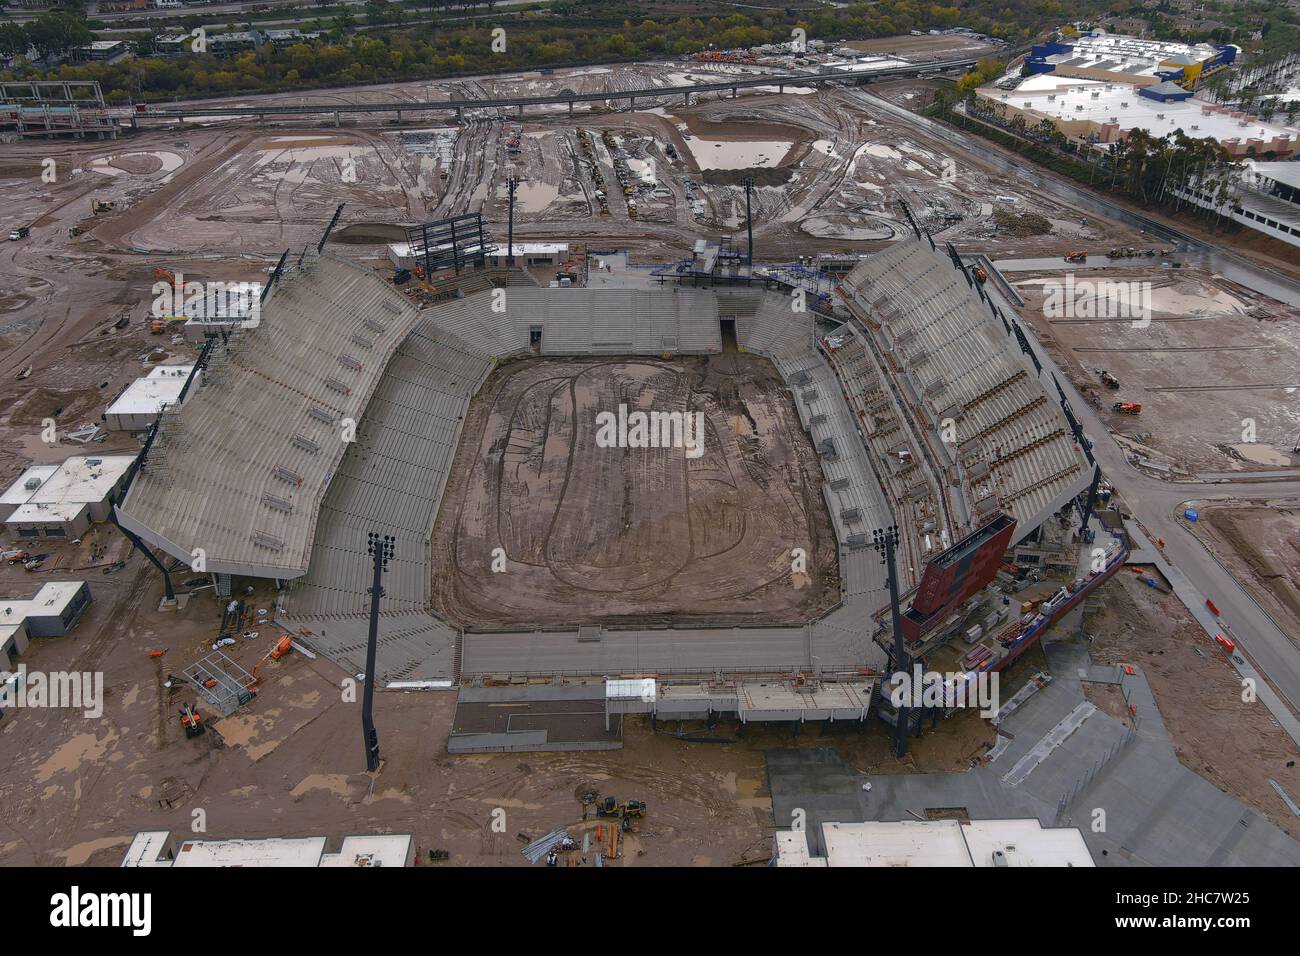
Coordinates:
column 1213, row 365
column 1260, row 544
column 1233, row 743
column 552, row 517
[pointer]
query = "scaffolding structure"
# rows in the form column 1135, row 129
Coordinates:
column 55, row 108
column 451, row 243
column 221, row 682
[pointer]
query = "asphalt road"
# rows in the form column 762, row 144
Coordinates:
column 1156, row 503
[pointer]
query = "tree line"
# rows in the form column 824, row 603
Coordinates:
column 371, row 47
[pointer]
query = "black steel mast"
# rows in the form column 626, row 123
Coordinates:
column 380, row 547
column 885, row 541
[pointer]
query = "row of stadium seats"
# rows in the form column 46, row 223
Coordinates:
column 241, row 468
column 962, row 364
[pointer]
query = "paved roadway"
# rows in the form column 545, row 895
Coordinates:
column 1153, row 501
column 1157, row 504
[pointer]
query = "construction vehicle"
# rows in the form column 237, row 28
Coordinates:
column 1110, row 381
column 102, row 205
column 22, row 232
column 981, row 276
column 1127, row 408
column 191, row 722
column 401, row 276
column 283, row 646
column 1079, row 256
column 611, row 809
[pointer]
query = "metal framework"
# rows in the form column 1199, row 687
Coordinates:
column 221, row 682
column 451, row 243
column 55, row 108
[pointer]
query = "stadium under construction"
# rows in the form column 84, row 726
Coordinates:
column 871, row 463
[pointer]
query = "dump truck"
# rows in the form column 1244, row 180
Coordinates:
column 1127, row 408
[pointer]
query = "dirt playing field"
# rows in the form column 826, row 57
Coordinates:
column 551, row 518
column 1235, row 745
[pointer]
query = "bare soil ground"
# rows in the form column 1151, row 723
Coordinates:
column 1214, row 369
column 1260, row 544
column 615, row 534
column 924, row 48
column 288, row 764
column 1235, row 745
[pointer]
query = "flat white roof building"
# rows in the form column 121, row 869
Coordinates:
column 68, row 498
column 1103, row 113
column 139, row 405
column 21, row 491
column 947, row 843
column 52, row 612
column 153, row 848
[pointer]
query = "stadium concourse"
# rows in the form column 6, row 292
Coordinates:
column 287, row 497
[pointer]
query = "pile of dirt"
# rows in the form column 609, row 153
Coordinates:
column 369, row 232
column 763, row 176
column 63, row 405
column 1021, row 225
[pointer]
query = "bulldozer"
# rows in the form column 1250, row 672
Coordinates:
column 1127, row 408
column 102, row 205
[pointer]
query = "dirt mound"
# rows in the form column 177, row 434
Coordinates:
column 64, row 406
column 362, row 233
column 763, row 176
column 1021, row 225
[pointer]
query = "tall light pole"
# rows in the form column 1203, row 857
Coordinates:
column 511, row 185
column 885, row 540
column 380, row 548
column 749, row 230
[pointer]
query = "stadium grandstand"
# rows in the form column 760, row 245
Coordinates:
column 971, row 403
column 286, row 497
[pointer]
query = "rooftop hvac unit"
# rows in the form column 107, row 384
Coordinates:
column 1123, row 104
column 31, row 484
column 1160, row 116
column 1096, row 95
column 1195, row 127
column 1114, row 119
column 1079, row 108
